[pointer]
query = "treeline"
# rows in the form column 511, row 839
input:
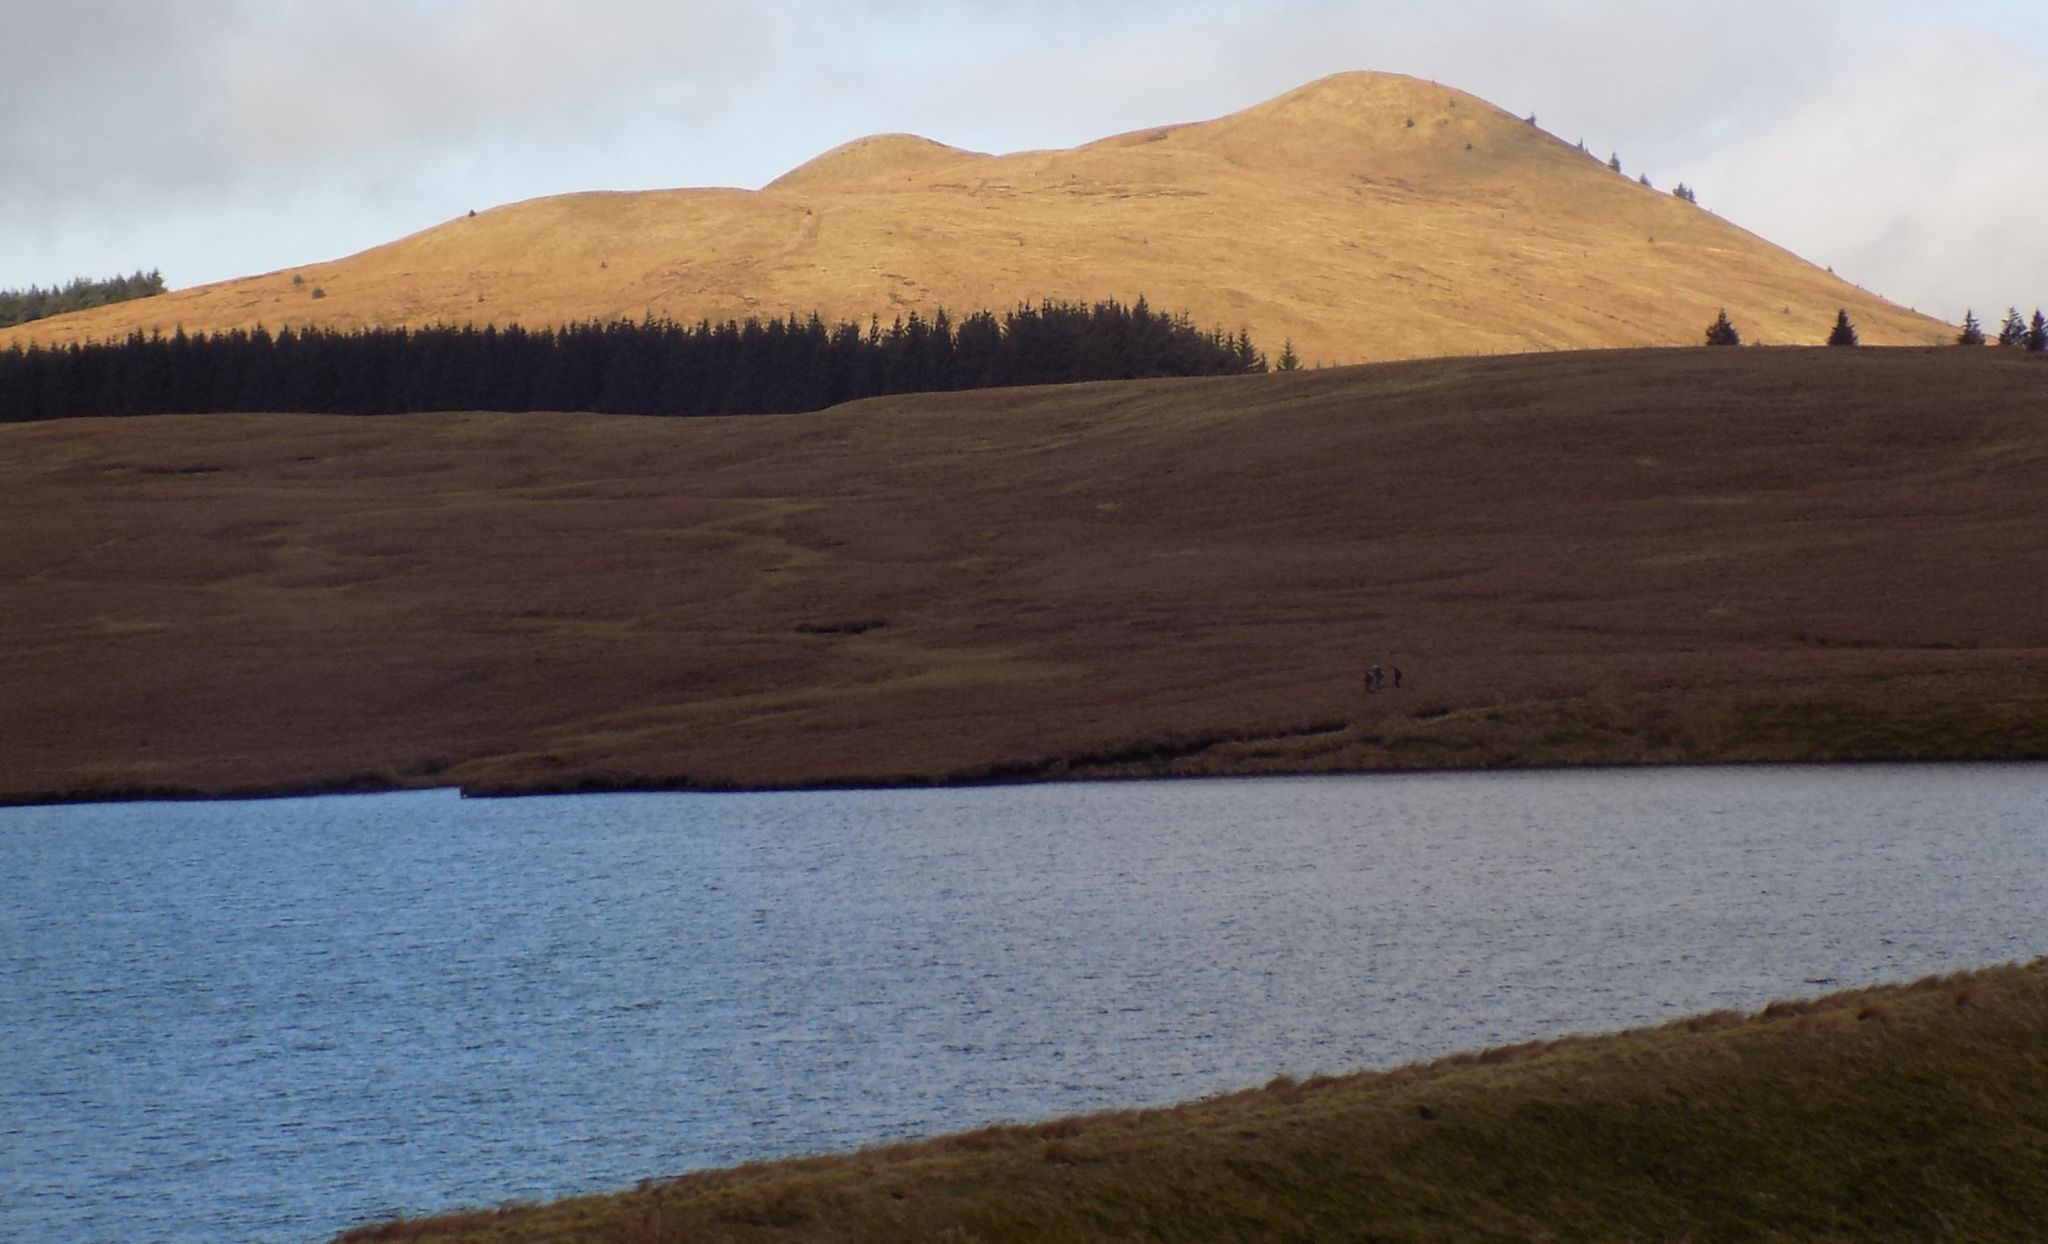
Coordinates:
column 2015, row 332
column 655, row 367
column 19, row 306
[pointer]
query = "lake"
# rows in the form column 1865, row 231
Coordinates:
column 273, row 1020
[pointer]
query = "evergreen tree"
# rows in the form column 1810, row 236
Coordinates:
column 19, row 306
column 1614, row 162
column 1249, row 357
column 2037, row 336
column 1722, row 333
column 1683, row 191
column 1844, row 333
column 1973, row 332
column 2014, row 331
column 653, row 367
column 1289, row 360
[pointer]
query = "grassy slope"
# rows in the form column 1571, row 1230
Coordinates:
column 1619, row 556
column 1366, row 216
column 1896, row 1114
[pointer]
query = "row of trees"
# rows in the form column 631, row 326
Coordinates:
column 19, row 306
column 2015, row 331
column 1681, row 191
column 1722, row 331
column 653, row 367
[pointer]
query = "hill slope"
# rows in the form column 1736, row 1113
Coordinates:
column 1622, row 555
column 1364, row 216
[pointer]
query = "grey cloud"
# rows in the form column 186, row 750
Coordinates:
column 142, row 97
column 1906, row 175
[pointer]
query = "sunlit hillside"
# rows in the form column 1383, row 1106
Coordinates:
column 1364, row 216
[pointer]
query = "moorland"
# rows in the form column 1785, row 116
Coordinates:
column 1598, row 557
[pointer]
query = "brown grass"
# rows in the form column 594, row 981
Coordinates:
column 1323, row 216
column 1624, row 556
column 1904, row 1113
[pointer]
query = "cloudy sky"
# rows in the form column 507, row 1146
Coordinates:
column 1899, row 141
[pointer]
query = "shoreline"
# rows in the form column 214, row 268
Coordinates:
column 344, row 788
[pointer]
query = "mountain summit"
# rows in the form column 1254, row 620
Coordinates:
column 1363, row 216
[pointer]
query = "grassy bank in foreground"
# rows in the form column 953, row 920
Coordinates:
column 1913, row 1112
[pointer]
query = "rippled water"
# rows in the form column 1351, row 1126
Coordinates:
column 269, row 1021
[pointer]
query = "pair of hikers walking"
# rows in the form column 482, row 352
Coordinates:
column 1376, row 679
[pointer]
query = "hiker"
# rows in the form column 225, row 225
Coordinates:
column 1378, row 678
column 1397, row 678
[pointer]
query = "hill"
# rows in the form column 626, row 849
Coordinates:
column 1894, row 1114
column 1608, row 556
column 1364, row 216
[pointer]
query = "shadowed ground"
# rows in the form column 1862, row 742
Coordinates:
column 1622, row 556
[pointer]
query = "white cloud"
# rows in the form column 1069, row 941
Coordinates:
column 1914, row 174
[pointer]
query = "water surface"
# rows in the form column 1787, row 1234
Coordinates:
column 269, row 1021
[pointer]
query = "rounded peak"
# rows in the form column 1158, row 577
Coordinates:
column 1362, row 120
column 1365, row 96
column 877, row 157
column 1372, row 83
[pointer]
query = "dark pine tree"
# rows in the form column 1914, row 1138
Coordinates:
column 1973, row 332
column 1289, row 360
column 1844, row 333
column 2037, row 335
column 1721, row 332
column 2014, row 331
column 19, row 306
column 1249, row 357
column 653, row 367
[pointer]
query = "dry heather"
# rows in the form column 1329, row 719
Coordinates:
column 1910, row 1113
column 1616, row 556
column 1365, row 216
